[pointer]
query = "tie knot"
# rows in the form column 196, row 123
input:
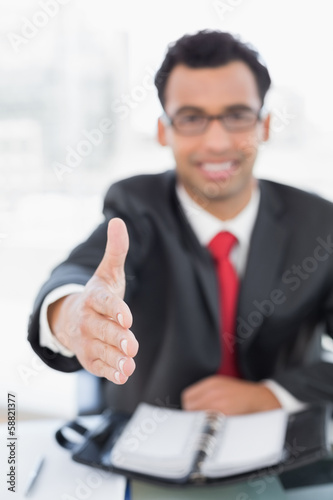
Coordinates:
column 221, row 245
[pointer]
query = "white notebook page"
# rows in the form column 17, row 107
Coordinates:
column 247, row 442
column 159, row 441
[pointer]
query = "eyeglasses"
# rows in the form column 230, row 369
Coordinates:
column 194, row 123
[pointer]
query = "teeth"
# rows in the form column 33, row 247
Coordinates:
column 216, row 167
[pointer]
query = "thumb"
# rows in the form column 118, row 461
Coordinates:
column 111, row 267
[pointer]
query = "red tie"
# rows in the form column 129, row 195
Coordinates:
column 220, row 247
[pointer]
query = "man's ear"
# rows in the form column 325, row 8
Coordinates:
column 161, row 133
column 266, row 128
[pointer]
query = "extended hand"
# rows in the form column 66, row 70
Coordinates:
column 94, row 324
column 229, row 396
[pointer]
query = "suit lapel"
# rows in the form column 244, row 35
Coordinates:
column 202, row 264
column 267, row 248
column 205, row 270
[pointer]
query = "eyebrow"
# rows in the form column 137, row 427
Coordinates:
column 196, row 109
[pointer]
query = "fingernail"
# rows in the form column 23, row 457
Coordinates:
column 123, row 345
column 117, row 376
column 121, row 365
column 120, row 319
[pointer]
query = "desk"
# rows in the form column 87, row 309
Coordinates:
column 60, row 478
column 63, row 479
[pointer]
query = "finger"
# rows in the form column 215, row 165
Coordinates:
column 104, row 302
column 114, row 358
column 198, row 395
column 198, row 389
column 111, row 267
column 109, row 332
column 101, row 369
column 213, row 382
column 190, row 402
column 208, row 401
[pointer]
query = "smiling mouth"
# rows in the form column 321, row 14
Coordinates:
column 219, row 170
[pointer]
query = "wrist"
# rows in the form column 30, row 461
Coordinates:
column 59, row 314
column 266, row 399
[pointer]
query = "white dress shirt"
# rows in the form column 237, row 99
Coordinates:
column 205, row 226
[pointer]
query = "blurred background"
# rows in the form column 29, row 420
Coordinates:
column 78, row 110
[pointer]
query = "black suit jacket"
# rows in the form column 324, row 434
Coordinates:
column 286, row 294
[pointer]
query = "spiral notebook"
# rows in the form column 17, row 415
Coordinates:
column 175, row 444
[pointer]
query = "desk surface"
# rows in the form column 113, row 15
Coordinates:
column 61, row 478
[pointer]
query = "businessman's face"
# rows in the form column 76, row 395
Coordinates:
column 214, row 163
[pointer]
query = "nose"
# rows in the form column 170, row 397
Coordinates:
column 216, row 137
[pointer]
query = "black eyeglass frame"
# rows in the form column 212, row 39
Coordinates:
column 258, row 116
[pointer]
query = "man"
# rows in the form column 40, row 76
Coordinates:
column 235, row 332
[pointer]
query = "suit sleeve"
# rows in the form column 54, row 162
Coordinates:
column 313, row 382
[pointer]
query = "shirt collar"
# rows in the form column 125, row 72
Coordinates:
column 206, row 225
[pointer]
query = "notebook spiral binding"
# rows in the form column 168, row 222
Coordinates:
column 206, row 445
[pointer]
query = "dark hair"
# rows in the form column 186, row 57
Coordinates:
column 210, row 49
